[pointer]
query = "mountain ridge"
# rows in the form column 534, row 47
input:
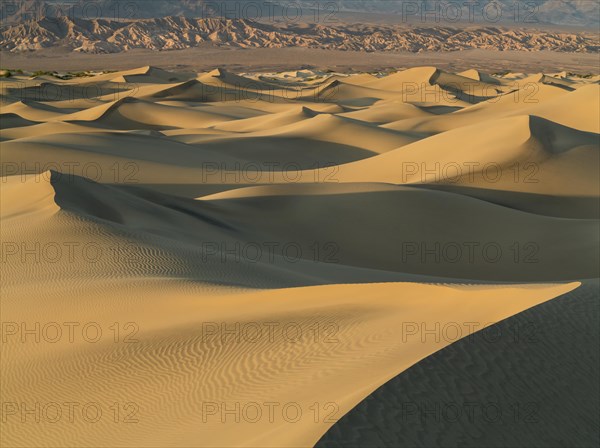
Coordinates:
column 579, row 13
column 178, row 32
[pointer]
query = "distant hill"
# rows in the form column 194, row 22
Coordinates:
column 581, row 13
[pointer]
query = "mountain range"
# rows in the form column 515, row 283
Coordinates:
column 580, row 13
column 177, row 32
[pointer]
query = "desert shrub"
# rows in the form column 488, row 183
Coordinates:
column 41, row 73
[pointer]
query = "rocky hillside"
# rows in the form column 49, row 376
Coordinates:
column 169, row 33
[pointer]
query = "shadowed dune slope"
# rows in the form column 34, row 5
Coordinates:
column 499, row 387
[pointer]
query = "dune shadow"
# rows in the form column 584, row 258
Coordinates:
column 531, row 380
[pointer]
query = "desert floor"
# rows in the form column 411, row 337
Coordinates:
column 208, row 57
column 239, row 259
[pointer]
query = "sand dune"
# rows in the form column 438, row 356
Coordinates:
column 131, row 113
column 179, row 211
column 36, row 111
column 406, row 410
column 12, row 120
column 536, row 146
column 427, row 77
